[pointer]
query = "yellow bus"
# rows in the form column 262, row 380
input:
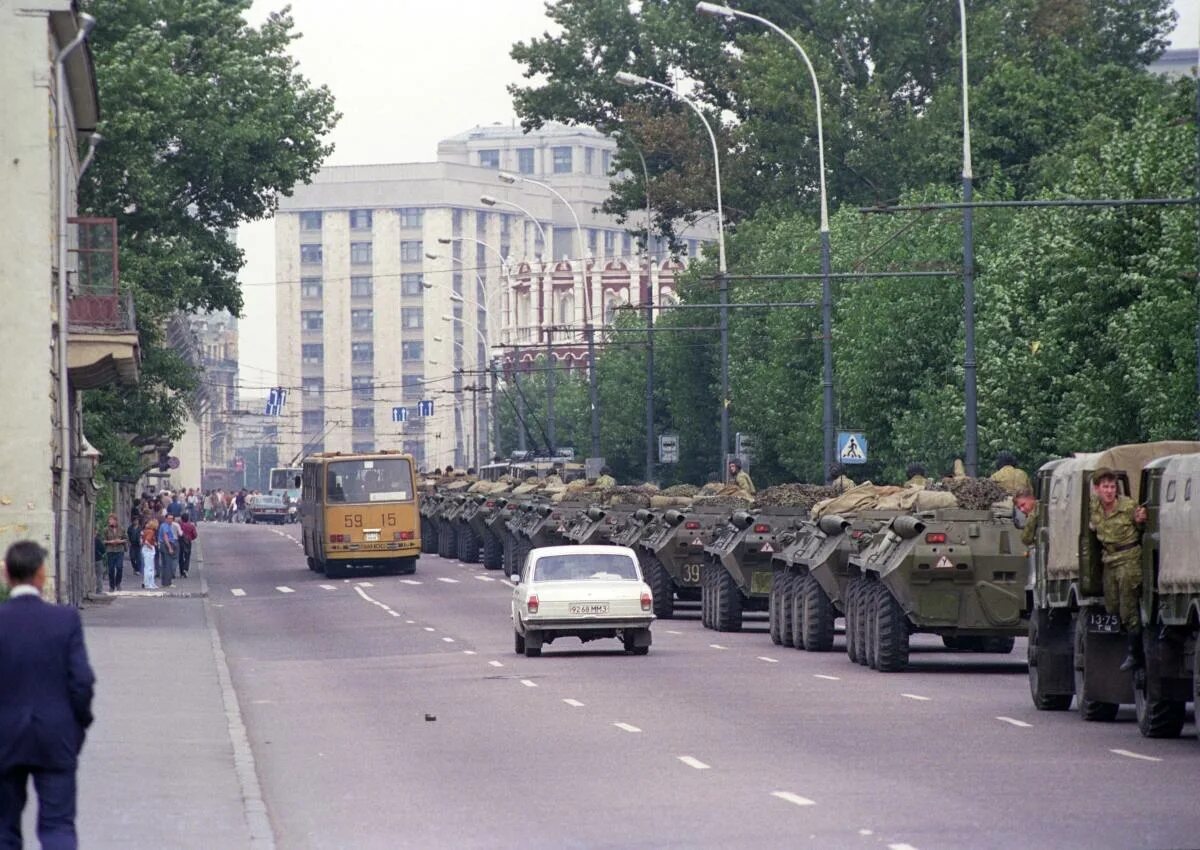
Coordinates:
column 360, row 509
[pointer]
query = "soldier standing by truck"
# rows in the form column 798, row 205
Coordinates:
column 1117, row 521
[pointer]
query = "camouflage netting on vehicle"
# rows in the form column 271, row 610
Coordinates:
column 735, row 499
column 681, row 490
column 627, row 495
column 973, row 494
column 793, row 496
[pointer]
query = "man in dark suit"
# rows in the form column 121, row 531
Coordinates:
column 45, row 703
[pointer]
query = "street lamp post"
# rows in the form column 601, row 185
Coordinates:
column 969, row 390
column 720, row 11
column 449, row 317
column 628, row 79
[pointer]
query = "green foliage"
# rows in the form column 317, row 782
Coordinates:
column 206, row 124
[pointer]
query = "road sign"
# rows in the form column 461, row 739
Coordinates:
column 425, row 407
column 668, row 448
column 275, row 401
column 173, row 462
column 743, row 446
column 399, row 414
column 852, row 447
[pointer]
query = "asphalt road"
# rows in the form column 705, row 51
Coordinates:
column 712, row 740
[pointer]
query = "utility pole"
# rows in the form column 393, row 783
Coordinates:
column 521, row 445
column 550, row 436
column 649, row 290
column 496, row 452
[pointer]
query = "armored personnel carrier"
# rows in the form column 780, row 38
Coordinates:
column 671, row 550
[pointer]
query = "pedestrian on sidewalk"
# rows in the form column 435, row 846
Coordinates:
column 134, row 535
column 114, row 553
column 168, row 551
column 149, row 554
column 45, row 704
column 187, row 533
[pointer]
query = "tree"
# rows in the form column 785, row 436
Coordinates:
column 206, row 124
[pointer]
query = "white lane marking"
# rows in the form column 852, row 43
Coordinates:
column 448, row 580
column 237, row 591
column 627, row 727
column 672, row 632
column 796, row 799
column 469, row 652
column 1132, row 755
column 901, row 847
column 917, row 697
column 393, row 613
column 329, row 587
column 448, row 640
column 409, row 581
column 374, row 602
column 495, row 663
column 865, row 832
column 768, row 659
column 430, row 629
column 827, row 678
column 718, row 646
column 529, row 684
column 485, row 578
column 284, row 589
column 365, row 584
column 574, row 703
column 1013, row 721
column 693, row 762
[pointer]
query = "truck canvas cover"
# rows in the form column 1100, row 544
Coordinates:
column 1179, row 525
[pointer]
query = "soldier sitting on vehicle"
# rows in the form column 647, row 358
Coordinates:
column 916, row 476
column 838, row 479
column 554, row 479
column 1117, row 522
column 740, row 477
column 1008, row 475
column 605, row 479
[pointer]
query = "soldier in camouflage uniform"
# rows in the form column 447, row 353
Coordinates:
column 740, row 477
column 605, row 479
column 838, row 479
column 1027, row 504
column 1117, row 521
column 1008, row 475
column 916, row 476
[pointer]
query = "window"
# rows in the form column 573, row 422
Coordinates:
column 412, row 351
column 592, row 238
column 364, row 417
column 610, row 242
column 310, row 253
column 360, row 447
column 410, row 284
column 411, row 216
column 411, row 317
column 360, row 253
column 362, row 387
column 361, row 320
column 358, row 481
column 525, row 160
column 606, row 161
column 314, row 386
column 1170, row 491
column 410, row 251
column 313, row 420
column 312, row 320
column 489, row 159
column 310, row 221
column 360, row 286
column 411, row 387
column 312, row 353
column 310, row 287
column 589, row 155
column 362, row 352
column 562, row 160
column 627, row 244
column 360, row 219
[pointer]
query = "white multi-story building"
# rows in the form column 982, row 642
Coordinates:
column 398, row 284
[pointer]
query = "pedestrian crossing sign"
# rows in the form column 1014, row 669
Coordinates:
column 852, row 447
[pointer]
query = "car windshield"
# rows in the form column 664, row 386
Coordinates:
column 379, row 480
column 266, row 500
column 585, row 567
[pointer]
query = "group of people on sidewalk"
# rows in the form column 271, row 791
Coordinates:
column 158, row 542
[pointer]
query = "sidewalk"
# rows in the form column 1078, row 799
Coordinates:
column 160, row 768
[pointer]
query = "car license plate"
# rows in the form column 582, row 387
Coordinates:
column 371, row 536
column 1104, row 623
column 588, row 608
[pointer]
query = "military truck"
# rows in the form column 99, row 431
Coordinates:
column 737, row 576
column 952, row 572
column 671, row 550
column 1075, row 644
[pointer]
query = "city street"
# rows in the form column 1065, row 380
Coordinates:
column 392, row 712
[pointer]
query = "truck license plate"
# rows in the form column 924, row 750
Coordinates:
column 588, row 608
column 371, row 536
column 1104, row 623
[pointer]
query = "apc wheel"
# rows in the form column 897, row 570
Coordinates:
column 860, row 621
column 818, row 617
column 851, row 604
column 1090, row 710
column 774, row 608
column 1042, row 701
column 661, row 588
column 518, row 643
column 891, row 633
column 446, row 540
column 429, row 537
column 706, row 596
column 1160, row 718
column 729, row 603
column 796, row 609
column 871, row 624
column 787, row 589
column 493, row 552
column 468, row 544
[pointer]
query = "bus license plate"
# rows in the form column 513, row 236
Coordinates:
column 371, row 536
column 589, row 608
column 1104, row 623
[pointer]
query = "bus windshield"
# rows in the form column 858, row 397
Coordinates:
column 284, row 479
column 376, row 480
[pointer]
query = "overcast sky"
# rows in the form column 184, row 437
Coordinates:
column 406, row 73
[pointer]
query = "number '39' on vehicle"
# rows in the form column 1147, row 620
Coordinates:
column 588, row 592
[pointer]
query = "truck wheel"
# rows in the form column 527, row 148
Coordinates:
column 1089, row 709
column 660, row 589
column 729, row 602
column 818, row 617
column 891, row 633
column 775, row 607
column 1042, row 701
column 493, row 552
column 796, row 609
column 851, row 604
column 1160, row 718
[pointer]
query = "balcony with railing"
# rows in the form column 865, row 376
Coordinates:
column 102, row 345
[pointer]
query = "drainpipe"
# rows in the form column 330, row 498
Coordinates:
column 86, row 23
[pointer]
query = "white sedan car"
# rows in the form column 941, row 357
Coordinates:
column 588, row 592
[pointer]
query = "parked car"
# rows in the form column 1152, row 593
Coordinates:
column 267, row 507
column 588, row 592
